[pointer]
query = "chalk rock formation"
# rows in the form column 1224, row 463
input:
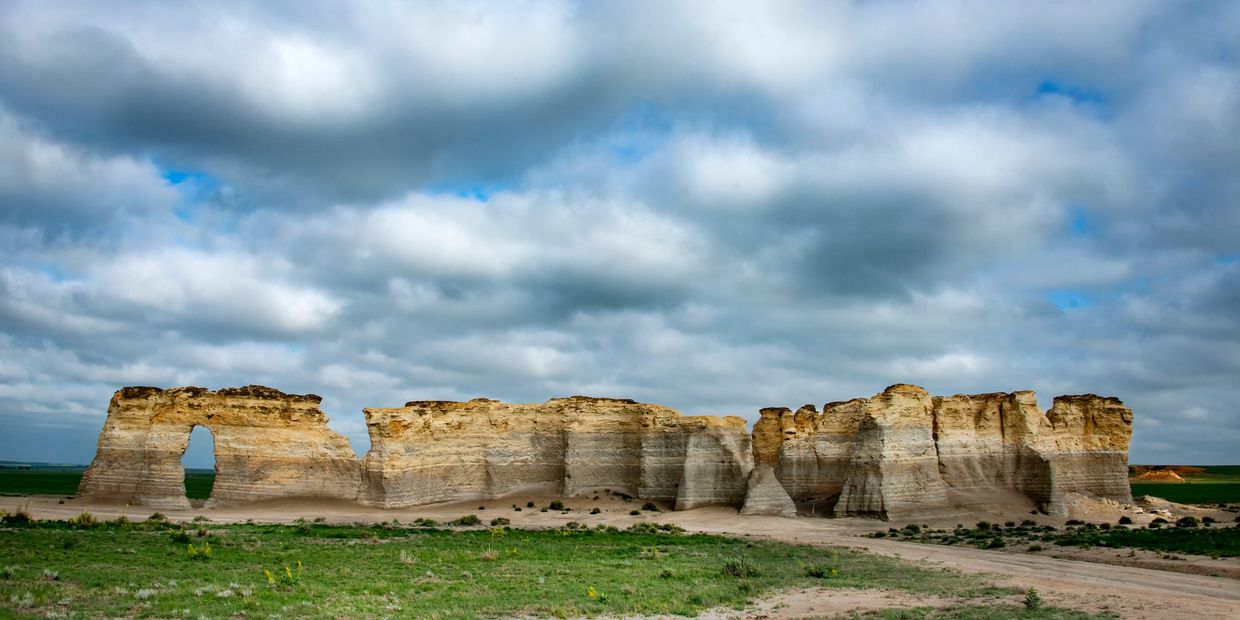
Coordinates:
column 765, row 496
column 436, row 451
column 903, row 453
column 268, row 444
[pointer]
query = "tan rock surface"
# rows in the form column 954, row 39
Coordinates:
column 764, row 495
column 903, row 453
column 268, row 444
column 433, row 451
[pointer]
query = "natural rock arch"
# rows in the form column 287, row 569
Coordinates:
column 268, row 444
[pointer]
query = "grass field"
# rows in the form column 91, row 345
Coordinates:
column 64, row 481
column 312, row 570
column 1213, row 539
column 1219, row 484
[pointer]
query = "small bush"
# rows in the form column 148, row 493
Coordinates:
column 595, row 510
column 634, row 512
column 1028, row 523
column 529, row 504
column 1032, row 600
column 199, row 553
column 650, row 507
column 996, row 543
column 489, row 555
column 556, row 505
column 739, row 567
column 1075, row 522
column 516, row 509
column 1208, row 520
column 467, row 520
column 1010, row 524
column 1187, row 522
column 1125, row 520
column 425, row 522
column 84, row 521
column 157, row 517
column 500, row 521
column 181, row 537
column 1035, row 547
column 482, row 508
column 7, row 572
column 821, row 571
column 912, row 528
column 983, row 525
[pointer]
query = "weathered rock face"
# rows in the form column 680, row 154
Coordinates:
column 903, row 453
column 434, row 451
column 268, row 444
column 765, row 496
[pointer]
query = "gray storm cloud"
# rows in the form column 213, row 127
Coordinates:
column 710, row 205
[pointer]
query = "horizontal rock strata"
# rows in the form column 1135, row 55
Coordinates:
column 436, row 451
column 268, row 444
column 903, row 453
column 899, row 454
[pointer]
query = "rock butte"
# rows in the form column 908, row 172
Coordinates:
column 899, row 454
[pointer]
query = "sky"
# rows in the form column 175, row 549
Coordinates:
column 714, row 206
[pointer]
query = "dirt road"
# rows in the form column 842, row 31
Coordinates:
column 1127, row 591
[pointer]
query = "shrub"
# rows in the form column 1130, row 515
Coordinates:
column 650, row 507
column 1028, row 523
column 556, row 505
column 995, row 543
column 467, row 520
column 983, row 525
column 199, row 553
column 1125, row 520
column 821, row 571
column 1010, row 524
column 482, row 508
column 739, row 567
column 500, row 521
column 1208, row 520
column 21, row 516
column 595, row 510
column 634, row 512
column 516, row 509
column 181, row 537
column 1187, row 522
column 424, row 522
column 825, row 570
column 1075, row 522
column 489, row 555
column 157, row 517
column 666, row 574
column 529, row 504
column 84, row 521
column 1035, row 547
column 912, row 528
column 1032, row 600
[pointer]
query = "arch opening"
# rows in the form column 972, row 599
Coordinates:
column 199, row 464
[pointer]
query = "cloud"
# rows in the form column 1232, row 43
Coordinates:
column 713, row 206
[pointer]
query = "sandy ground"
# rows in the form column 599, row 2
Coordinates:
column 1131, row 592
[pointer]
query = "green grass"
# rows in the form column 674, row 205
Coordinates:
column 1191, row 492
column 1219, row 484
column 1220, row 539
column 64, row 481
column 143, row 570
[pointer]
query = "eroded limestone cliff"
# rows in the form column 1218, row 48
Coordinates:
column 268, row 444
column 434, row 451
column 904, row 453
column 899, row 454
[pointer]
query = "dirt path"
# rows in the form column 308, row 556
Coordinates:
column 1127, row 591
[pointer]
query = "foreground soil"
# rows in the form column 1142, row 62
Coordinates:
column 1130, row 592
